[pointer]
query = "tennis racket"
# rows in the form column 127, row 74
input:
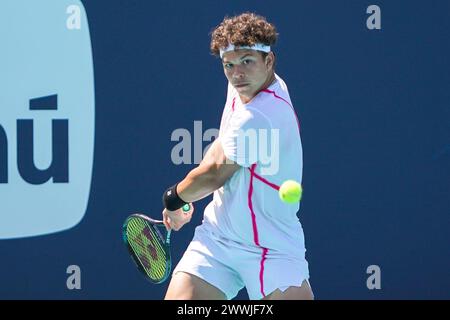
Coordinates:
column 149, row 249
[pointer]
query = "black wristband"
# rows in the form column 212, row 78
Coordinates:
column 171, row 200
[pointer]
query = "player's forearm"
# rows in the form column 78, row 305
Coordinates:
column 198, row 184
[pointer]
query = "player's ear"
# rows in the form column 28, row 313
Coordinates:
column 270, row 60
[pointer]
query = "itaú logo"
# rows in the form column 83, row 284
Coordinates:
column 47, row 113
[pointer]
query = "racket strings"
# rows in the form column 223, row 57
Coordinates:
column 147, row 247
column 152, row 256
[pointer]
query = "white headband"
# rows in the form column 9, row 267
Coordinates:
column 256, row 46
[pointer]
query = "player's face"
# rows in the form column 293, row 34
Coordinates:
column 248, row 71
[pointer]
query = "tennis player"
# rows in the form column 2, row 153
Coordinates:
column 248, row 237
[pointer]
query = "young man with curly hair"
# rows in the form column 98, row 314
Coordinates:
column 248, row 237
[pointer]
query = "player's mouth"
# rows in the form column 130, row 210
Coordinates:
column 241, row 85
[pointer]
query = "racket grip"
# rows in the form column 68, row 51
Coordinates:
column 186, row 207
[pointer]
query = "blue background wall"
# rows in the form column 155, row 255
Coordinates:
column 375, row 118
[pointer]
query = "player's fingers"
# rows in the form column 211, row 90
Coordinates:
column 166, row 221
column 172, row 223
column 179, row 222
column 176, row 225
column 167, row 225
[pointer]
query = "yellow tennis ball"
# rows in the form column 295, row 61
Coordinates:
column 290, row 191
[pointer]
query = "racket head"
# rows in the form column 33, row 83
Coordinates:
column 148, row 248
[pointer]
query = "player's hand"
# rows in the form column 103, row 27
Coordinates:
column 178, row 218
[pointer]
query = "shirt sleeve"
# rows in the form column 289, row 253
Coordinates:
column 247, row 138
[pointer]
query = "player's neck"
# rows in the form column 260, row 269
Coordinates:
column 270, row 80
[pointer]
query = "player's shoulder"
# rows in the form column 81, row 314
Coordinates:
column 274, row 98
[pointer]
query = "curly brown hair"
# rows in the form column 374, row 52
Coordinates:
column 245, row 29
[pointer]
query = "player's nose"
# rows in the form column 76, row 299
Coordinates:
column 238, row 73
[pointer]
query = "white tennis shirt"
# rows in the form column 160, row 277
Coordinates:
column 247, row 209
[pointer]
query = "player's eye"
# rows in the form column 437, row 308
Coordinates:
column 228, row 65
column 246, row 61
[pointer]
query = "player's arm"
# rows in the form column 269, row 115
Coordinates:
column 211, row 174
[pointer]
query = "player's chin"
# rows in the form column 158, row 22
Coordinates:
column 246, row 91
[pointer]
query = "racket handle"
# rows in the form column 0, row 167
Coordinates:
column 168, row 236
column 186, row 207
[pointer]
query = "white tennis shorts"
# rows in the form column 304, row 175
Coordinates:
column 229, row 266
